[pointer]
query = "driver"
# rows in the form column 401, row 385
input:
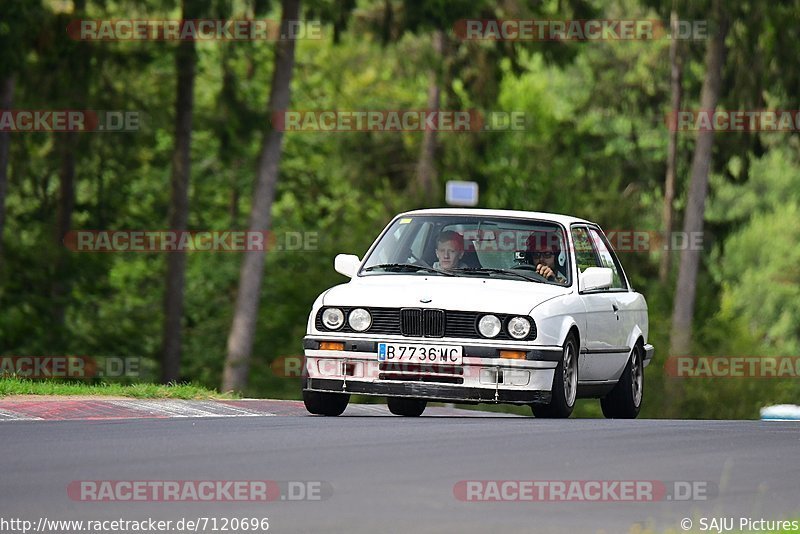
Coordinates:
column 449, row 251
column 542, row 251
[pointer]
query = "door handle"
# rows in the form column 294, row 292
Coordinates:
column 616, row 308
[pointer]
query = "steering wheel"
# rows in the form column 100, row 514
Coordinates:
column 527, row 267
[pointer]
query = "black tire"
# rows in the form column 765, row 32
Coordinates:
column 406, row 407
column 625, row 400
column 565, row 385
column 331, row 404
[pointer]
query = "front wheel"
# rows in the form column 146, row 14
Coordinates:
column 406, row 407
column 625, row 400
column 331, row 404
column 565, row 385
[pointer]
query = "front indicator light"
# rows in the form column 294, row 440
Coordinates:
column 331, row 345
column 513, row 354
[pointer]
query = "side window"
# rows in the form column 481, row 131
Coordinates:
column 607, row 260
column 584, row 252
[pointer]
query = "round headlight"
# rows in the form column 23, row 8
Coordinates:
column 519, row 327
column 333, row 318
column 359, row 319
column 489, row 326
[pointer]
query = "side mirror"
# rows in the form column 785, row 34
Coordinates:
column 347, row 264
column 595, row 278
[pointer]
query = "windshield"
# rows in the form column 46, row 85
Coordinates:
column 489, row 247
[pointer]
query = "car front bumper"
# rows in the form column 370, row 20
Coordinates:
column 649, row 351
column 482, row 376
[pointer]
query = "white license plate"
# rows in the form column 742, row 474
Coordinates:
column 401, row 352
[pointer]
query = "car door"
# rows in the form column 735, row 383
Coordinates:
column 602, row 321
column 611, row 359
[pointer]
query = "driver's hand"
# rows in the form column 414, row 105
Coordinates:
column 545, row 271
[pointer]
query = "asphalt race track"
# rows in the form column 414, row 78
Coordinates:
column 381, row 473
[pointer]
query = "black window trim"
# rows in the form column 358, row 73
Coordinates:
column 587, row 226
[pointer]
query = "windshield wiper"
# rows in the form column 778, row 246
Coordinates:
column 478, row 270
column 406, row 267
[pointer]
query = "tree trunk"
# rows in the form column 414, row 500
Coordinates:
column 676, row 68
column 60, row 285
column 228, row 141
column 242, row 334
column 425, row 185
column 6, row 102
column 77, row 72
column 683, row 311
column 185, row 60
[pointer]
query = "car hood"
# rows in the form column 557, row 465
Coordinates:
column 449, row 293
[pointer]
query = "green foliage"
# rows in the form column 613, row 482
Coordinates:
column 758, row 264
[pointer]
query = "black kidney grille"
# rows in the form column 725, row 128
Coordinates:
column 411, row 323
column 434, row 322
column 418, row 322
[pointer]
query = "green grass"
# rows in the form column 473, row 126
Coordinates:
column 21, row 386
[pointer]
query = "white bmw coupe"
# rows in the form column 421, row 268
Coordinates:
column 480, row 306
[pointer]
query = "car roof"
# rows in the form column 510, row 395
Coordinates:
column 566, row 220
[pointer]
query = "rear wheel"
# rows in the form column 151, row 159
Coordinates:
column 406, row 407
column 320, row 403
column 625, row 400
column 565, row 385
